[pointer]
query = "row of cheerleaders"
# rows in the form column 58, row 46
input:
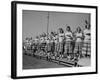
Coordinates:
column 60, row 44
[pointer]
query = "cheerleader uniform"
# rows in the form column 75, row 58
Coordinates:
column 42, row 39
column 68, row 44
column 33, row 47
column 25, row 47
column 48, row 49
column 56, row 45
column 37, row 43
column 61, row 44
column 28, row 47
column 52, row 44
column 86, row 50
column 42, row 43
column 78, row 44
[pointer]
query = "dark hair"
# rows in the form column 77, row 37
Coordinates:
column 86, row 21
column 78, row 28
column 37, row 36
column 61, row 30
column 86, row 26
column 52, row 32
column 68, row 27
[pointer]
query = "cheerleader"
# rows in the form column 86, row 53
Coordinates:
column 36, row 41
column 25, row 45
column 33, row 47
column 52, row 45
column 68, row 43
column 78, row 43
column 28, row 45
column 48, row 47
column 61, row 42
column 47, row 44
column 86, row 50
column 42, row 44
column 56, row 44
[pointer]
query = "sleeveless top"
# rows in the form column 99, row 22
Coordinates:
column 55, row 39
column 87, row 34
column 79, row 37
column 61, row 37
column 68, row 36
column 41, row 39
column 36, row 40
column 47, row 40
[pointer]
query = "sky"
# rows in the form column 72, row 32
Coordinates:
column 35, row 22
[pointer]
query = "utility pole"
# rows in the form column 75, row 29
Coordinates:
column 48, row 23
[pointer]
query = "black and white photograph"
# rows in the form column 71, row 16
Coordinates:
column 54, row 39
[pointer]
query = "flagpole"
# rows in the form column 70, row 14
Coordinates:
column 47, row 23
